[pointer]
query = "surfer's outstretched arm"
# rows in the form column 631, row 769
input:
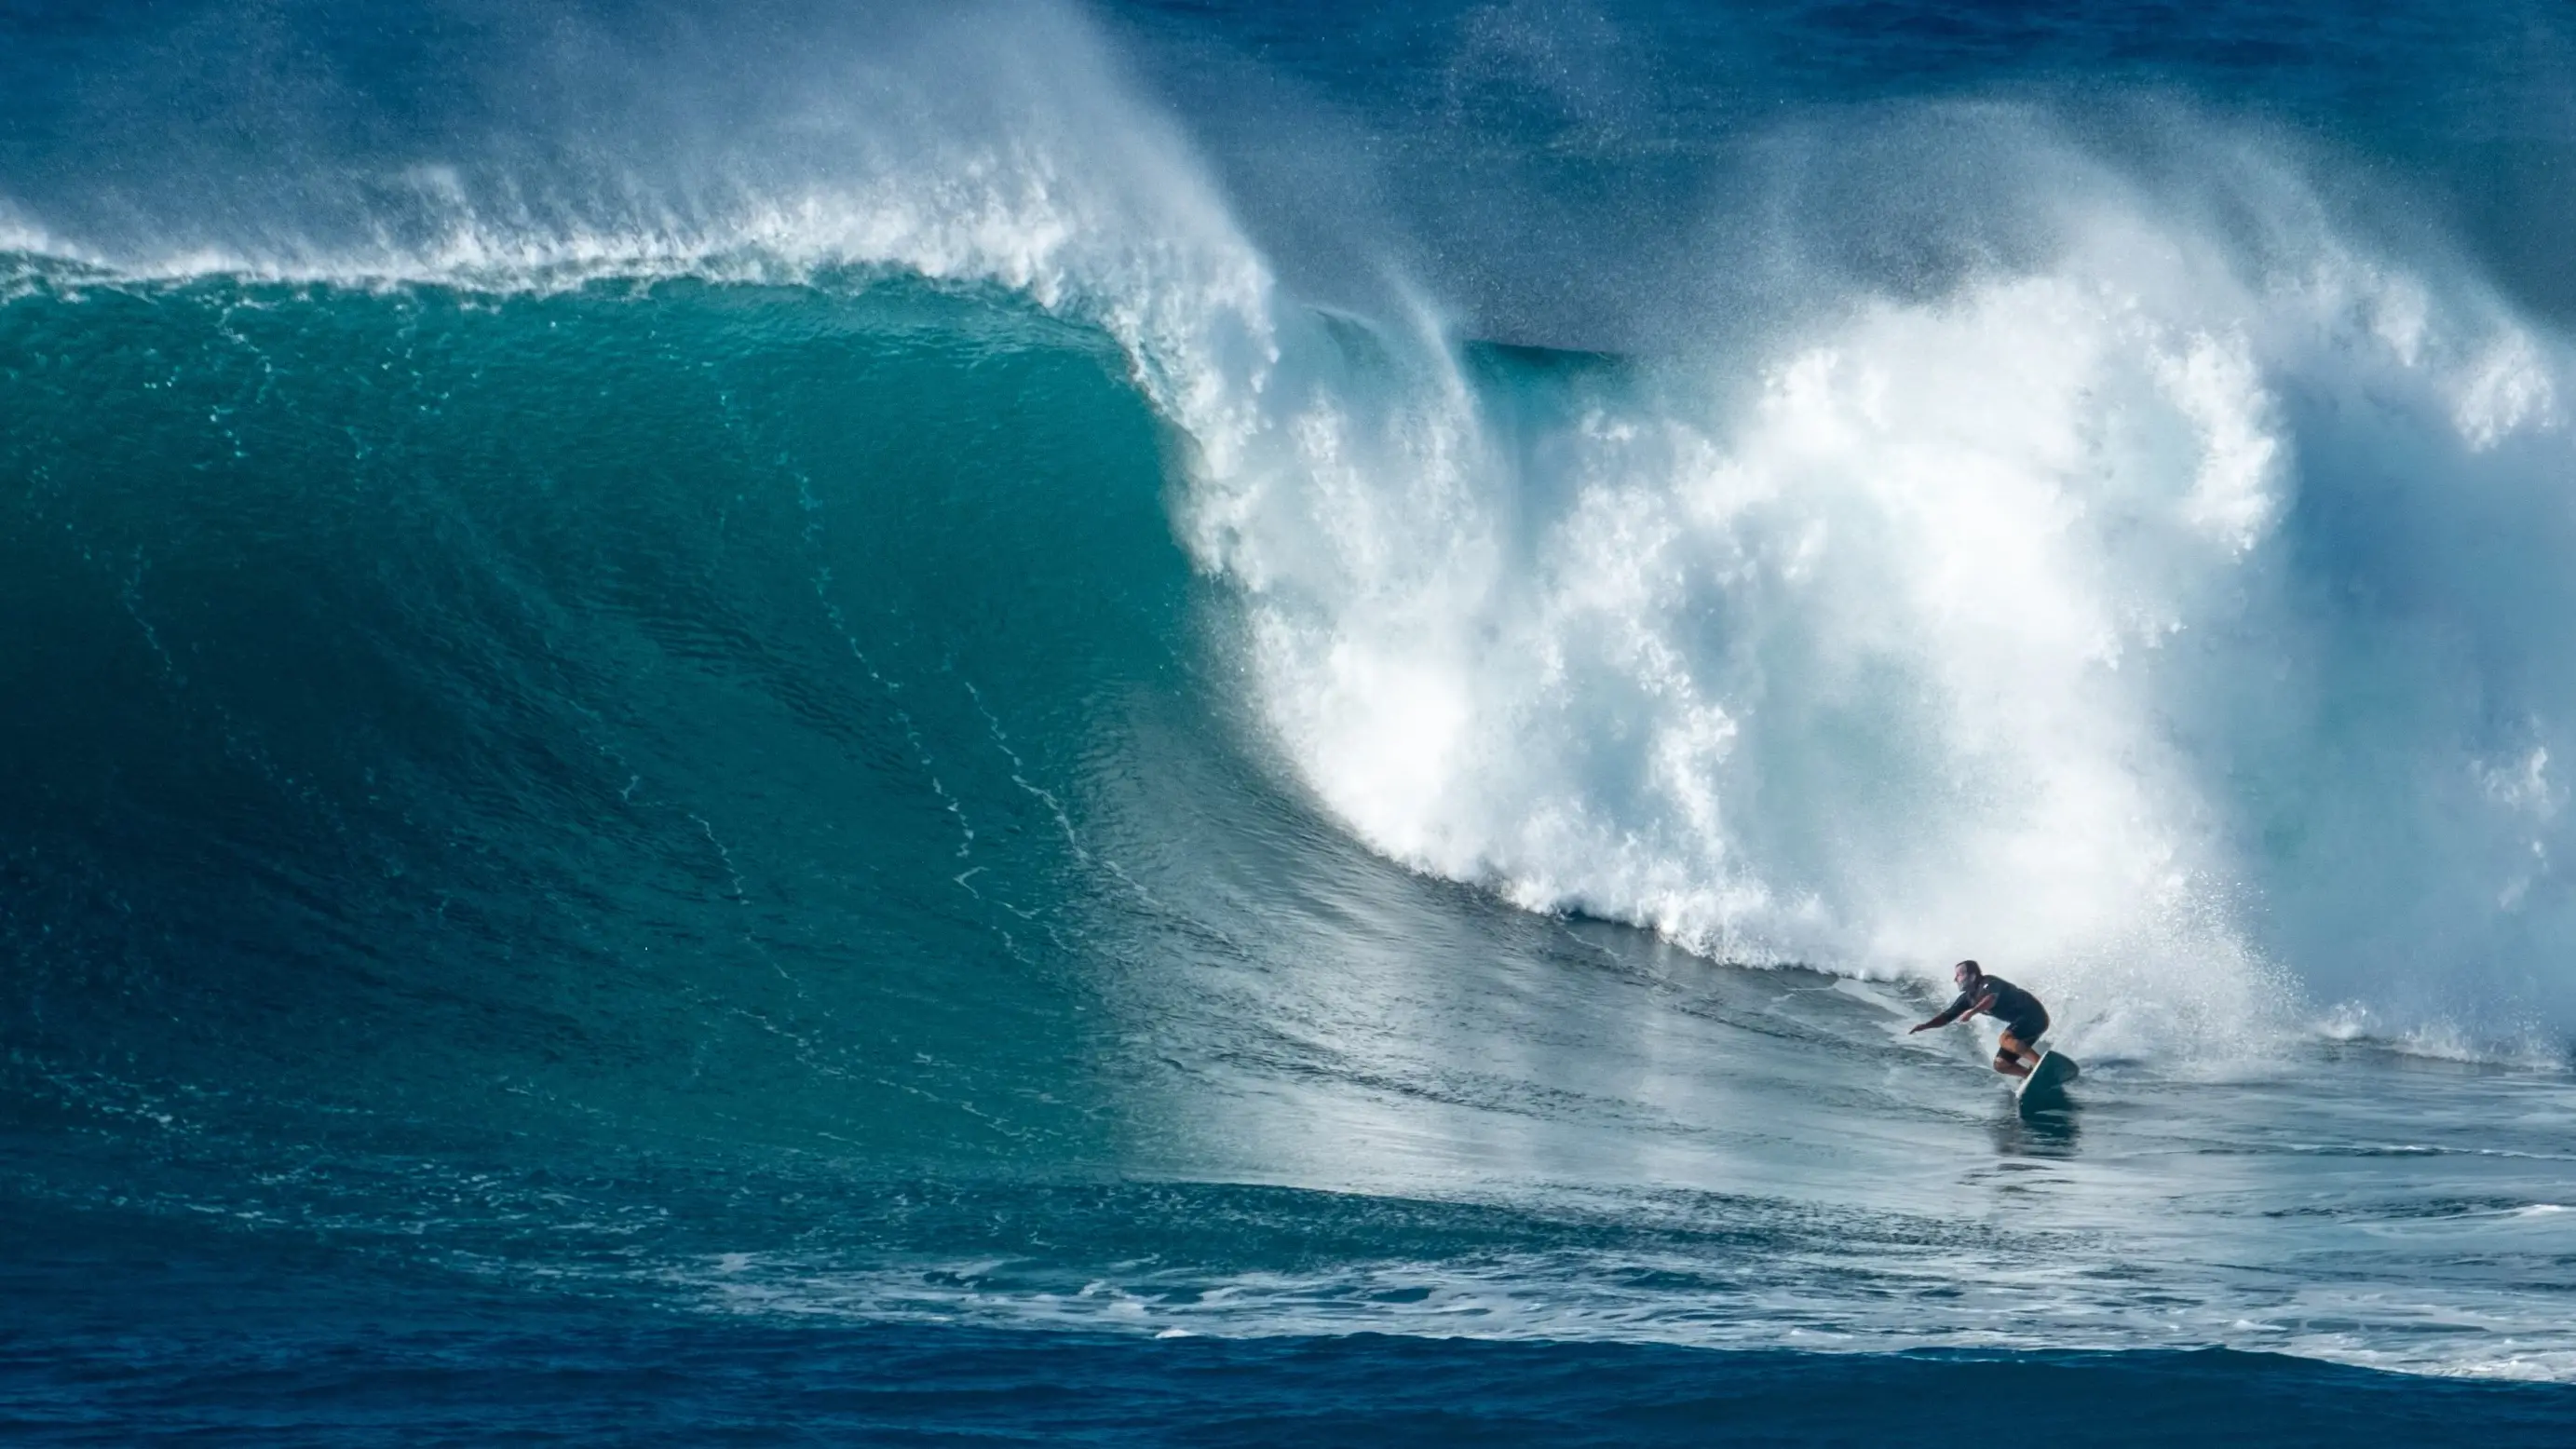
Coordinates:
column 1959, row 1008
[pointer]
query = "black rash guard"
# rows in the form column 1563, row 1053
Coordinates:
column 2018, row 1010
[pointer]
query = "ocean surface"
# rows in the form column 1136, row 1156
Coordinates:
column 1235, row 723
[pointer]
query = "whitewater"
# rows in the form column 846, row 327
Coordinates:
column 999, row 691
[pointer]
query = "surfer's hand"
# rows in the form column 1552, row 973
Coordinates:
column 1918, row 1026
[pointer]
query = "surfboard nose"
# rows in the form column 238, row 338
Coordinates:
column 2046, row 1084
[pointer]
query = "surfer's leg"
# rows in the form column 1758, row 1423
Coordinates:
column 2023, row 1037
column 2014, row 1058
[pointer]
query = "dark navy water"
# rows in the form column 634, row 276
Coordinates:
column 1233, row 724
column 300, row 1352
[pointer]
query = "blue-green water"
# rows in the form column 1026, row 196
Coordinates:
column 878, row 727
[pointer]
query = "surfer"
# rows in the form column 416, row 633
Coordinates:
column 2020, row 1012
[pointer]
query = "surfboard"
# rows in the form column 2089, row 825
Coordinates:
column 2046, row 1084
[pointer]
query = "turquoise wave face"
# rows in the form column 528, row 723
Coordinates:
column 674, row 708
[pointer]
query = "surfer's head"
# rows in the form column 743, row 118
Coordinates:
column 1965, row 972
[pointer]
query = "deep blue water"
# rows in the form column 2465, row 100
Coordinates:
column 277, row 1343
column 1218, row 723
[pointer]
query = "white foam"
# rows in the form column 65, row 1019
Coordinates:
column 1973, row 629
column 2526, row 1045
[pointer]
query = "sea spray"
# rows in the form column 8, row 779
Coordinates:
column 1989, row 623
